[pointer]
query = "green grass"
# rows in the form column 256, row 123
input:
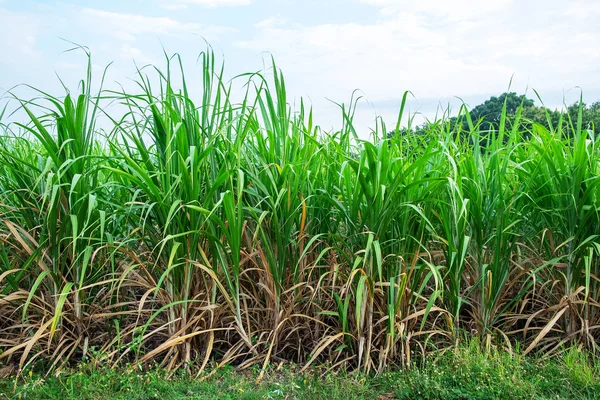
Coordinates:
column 464, row 373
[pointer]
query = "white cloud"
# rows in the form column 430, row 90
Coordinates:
column 172, row 5
column 438, row 49
column 131, row 53
column 179, row 4
column 451, row 10
column 272, row 22
column 18, row 37
column 126, row 27
column 382, row 59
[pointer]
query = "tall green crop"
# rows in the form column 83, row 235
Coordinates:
column 200, row 229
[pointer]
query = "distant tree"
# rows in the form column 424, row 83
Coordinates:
column 490, row 111
column 590, row 116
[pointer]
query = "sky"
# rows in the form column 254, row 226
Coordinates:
column 443, row 51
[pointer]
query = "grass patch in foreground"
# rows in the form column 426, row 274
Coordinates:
column 467, row 373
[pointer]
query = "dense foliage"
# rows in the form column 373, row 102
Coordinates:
column 242, row 233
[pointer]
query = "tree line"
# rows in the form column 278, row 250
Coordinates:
column 487, row 116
